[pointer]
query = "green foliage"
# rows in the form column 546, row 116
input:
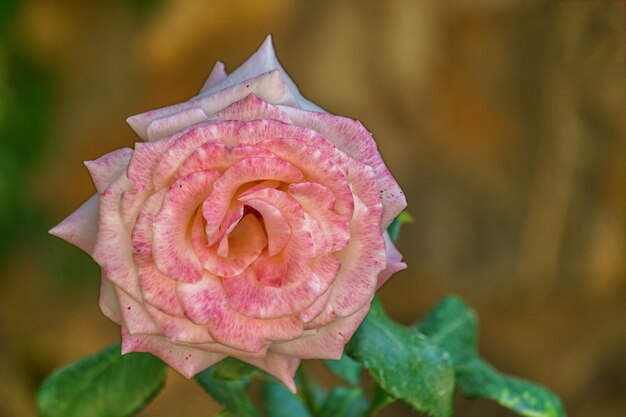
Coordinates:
column 231, row 368
column 479, row 379
column 104, row 385
column 405, row 363
column 280, row 402
column 346, row 368
column 452, row 325
column 345, row 402
column 312, row 393
column 380, row 400
column 229, row 393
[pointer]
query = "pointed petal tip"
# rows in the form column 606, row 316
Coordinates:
column 139, row 123
column 81, row 227
column 291, row 385
column 55, row 231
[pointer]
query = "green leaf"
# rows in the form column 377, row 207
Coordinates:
column 346, row 368
column 380, row 400
column 452, row 325
column 478, row 379
column 396, row 225
column 106, row 384
column 345, row 402
column 231, row 394
column 313, row 394
column 231, row 368
column 280, row 402
column 405, row 363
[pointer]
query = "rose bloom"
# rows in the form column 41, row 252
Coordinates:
column 248, row 223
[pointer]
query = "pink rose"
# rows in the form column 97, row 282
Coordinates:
column 250, row 223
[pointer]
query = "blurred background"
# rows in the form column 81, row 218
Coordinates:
column 502, row 120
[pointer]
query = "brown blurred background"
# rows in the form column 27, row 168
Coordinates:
column 502, row 120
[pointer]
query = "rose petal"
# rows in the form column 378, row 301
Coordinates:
column 394, row 262
column 216, row 156
column 351, row 137
column 286, row 266
column 262, row 61
column 186, row 360
column 218, row 73
column 108, row 300
column 269, row 86
column 317, row 235
column 316, row 167
column 81, row 227
column 179, row 329
column 157, row 289
column 166, row 125
column 141, row 236
column 314, row 310
column 187, row 144
column 318, row 201
column 328, row 342
column 246, row 243
column 232, row 218
column 108, row 167
column 253, row 299
column 245, row 171
column 361, row 262
column 135, row 318
column 113, row 250
column 282, row 367
column 319, row 161
column 173, row 251
column 251, row 108
column 276, row 226
column 145, row 160
column 206, row 302
column 140, row 169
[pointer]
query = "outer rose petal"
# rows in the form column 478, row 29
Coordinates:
column 173, row 123
column 262, row 61
column 361, row 262
column 135, row 318
column 113, row 250
column 81, row 227
column 328, row 342
column 107, row 168
column 218, row 73
column 185, row 359
column 180, row 329
column 270, row 86
column 108, row 300
column 394, row 262
column 282, row 367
